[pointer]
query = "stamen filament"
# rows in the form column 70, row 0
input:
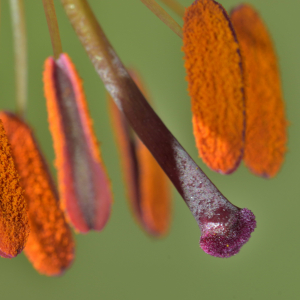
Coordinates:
column 53, row 27
column 175, row 6
column 20, row 49
column 163, row 16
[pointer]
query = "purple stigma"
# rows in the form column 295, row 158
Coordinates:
column 224, row 242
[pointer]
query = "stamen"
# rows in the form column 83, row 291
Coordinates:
column 50, row 246
column 205, row 201
column 53, row 27
column 266, row 130
column 215, row 83
column 83, row 184
column 163, row 16
column 147, row 185
column 20, row 49
column 14, row 228
column 175, row 6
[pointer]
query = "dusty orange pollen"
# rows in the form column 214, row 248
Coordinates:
column 14, row 227
column 215, row 84
column 50, row 245
column 266, row 129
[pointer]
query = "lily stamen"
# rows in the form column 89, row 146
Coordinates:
column 50, row 246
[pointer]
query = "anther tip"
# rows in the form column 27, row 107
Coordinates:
column 229, row 243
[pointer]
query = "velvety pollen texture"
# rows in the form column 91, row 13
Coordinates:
column 14, row 227
column 215, row 84
column 230, row 242
column 50, row 246
column 147, row 186
column 84, row 187
column 266, row 130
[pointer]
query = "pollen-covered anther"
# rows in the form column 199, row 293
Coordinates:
column 84, row 187
column 266, row 128
column 14, row 227
column 50, row 246
column 215, row 83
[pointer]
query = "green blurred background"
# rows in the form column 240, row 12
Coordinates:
column 122, row 262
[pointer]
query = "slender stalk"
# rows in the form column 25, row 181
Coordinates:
column 20, row 49
column 53, row 27
column 164, row 16
column 175, row 6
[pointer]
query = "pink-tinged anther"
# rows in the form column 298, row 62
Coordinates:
column 84, row 187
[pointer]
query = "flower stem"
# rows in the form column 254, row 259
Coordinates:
column 20, row 49
column 53, row 27
column 175, row 6
column 164, row 16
